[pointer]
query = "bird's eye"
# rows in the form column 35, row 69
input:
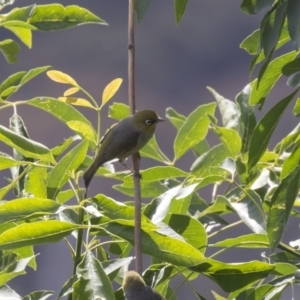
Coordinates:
column 149, row 122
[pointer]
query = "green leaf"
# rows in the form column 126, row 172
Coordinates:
column 18, row 209
column 114, row 209
column 21, row 29
column 291, row 139
column 261, row 89
column 218, row 206
column 29, row 234
column 294, row 80
column 291, row 163
column 248, row 119
column 93, row 283
column 190, row 229
column 248, row 205
column 85, row 130
column 64, row 112
column 55, row 17
column 296, row 110
column 20, row 14
column 231, row 277
column 4, row 190
column 25, row 146
column 255, row 6
column 230, row 112
column 175, row 118
column 180, row 6
column 36, row 182
column 158, row 173
column 285, row 269
column 8, row 162
column 213, row 157
column 6, row 293
column 158, row 209
column 194, row 129
column 270, row 28
column 281, row 206
column 141, row 7
column 17, row 80
column 252, row 240
column 38, row 295
column 25, row 252
column 158, row 245
column 291, row 67
column 59, row 149
column 152, row 150
column 251, row 42
column 230, row 138
column 119, row 111
column 293, row 13
column 10, row 49
column 61, row 173
column 110, row 90
column 252, row 45
column 14, row 269
column 148, row 189
column 264, row 130
column 17, row 125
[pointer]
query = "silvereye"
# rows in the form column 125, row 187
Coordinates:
column 135, row 288
column 124, row 139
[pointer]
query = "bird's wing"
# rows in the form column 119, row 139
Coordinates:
column 121, row 140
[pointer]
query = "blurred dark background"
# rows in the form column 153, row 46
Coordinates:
column 174, row 64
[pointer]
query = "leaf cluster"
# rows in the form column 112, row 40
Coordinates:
column 181, row 230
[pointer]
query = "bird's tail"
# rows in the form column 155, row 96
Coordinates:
column 89, row 173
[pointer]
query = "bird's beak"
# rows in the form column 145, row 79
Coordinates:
column 160, row 120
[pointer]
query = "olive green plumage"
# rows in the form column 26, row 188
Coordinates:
column 135, row 288
column 124, row 139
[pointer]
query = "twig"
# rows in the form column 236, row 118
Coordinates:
column 135, row 157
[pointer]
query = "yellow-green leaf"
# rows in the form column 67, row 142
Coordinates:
column 71, row 91
column 83, row 128
column 61, row 77
column 111, row 89
column 76, row 101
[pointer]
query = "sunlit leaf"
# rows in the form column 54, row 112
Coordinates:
column 62, row 171
column 264, row 130
column 231, row 277
column 158, row 245
column 194, row 129
column 110, row 90
column 19, row 209
column 119, row 111
column 281, row 206
column 25, row 146
column 17, row 80
column 36, row 233
column 55, row 17
column 261, row 90
column 61, row 77
column 93, row 283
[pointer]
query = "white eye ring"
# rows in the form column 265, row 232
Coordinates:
column 149, row 122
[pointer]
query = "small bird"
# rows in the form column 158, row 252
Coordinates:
column 135, row 288
column 124, row 139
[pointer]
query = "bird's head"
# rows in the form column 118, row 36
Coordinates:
column 146, row 120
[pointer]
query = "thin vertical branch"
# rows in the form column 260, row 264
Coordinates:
column 135, row 157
